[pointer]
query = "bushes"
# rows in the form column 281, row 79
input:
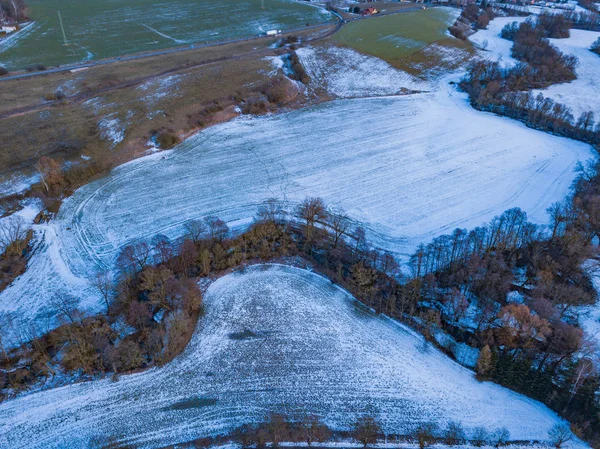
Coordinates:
column 167, row 140
column 472, row 18
column 298, row 72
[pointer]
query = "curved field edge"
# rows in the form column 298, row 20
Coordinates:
column 314, row 351
column 414, row 167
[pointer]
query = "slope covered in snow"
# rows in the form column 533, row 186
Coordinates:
column 346, row 73
column 581, row 95
column 313, row 350
column 490, row 43
column 408, row 168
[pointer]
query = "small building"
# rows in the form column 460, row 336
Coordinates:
column 369, row 11
column 9, row 28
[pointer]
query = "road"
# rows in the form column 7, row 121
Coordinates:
column 80, row 97
column 78, row 66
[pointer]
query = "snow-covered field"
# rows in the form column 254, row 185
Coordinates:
column 408, row 168
column 314, row 351
column 346, row 73
column 490, row 43
column 581, row 95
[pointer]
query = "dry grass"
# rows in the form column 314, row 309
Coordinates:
column 175, row 92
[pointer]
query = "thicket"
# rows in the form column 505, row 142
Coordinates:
column 13, row 10
column 533, row 344
column 15, row 246
column 297, row 71
column 472, row 18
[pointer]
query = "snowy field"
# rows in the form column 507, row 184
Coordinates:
column 346, row 73
column 490, row 43
column 581, row 95
column 408, row 168
column 314, row 351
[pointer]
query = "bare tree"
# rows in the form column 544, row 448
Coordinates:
column 217, row 228
column 366, row 430
column 103, row 282
column 559, row 434
column 271, row 211
column 13, row 235
column 425, row 434
column 313, row 430
column 310, row 211
column 500, row 437
column 195, row 230
column 339, row 224
column 50, row 172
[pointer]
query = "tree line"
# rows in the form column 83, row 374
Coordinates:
column 506, row 91
column 531, row 343
column 276, row 429
column 533, row 346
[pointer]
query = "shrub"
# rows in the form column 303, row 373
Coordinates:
column 167, row 140
column 3, row 71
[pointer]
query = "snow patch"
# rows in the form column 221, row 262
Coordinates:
column 346, row 73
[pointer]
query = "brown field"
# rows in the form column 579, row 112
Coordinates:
column 178, row 93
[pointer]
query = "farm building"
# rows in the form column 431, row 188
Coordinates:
column 369, row 11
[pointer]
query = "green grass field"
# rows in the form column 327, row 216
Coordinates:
column 102, row 29
column 397, row 38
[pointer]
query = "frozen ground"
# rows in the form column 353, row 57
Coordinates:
column 408, row 168
column 314, row 350
column 490, row 43
column 589, row 316
column 580, row 95
column 346, row 73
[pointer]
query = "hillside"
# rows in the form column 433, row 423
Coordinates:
column 274, row 338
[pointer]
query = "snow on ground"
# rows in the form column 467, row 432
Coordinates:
column 12, row 39
column 490, row 43
column 315, row 350
column 112, row 129
column 346, row 73
column 161, row 88
column 589, row 316
column 16, row 182
column 408, row 168
column 581, row 95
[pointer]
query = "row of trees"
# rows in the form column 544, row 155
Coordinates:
column 534, row 346
column 366, row 430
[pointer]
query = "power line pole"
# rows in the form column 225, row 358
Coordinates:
column 62, row 28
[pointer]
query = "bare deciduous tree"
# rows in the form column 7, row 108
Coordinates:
column 559, row 434
column 13, row 235
column 103, row 282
